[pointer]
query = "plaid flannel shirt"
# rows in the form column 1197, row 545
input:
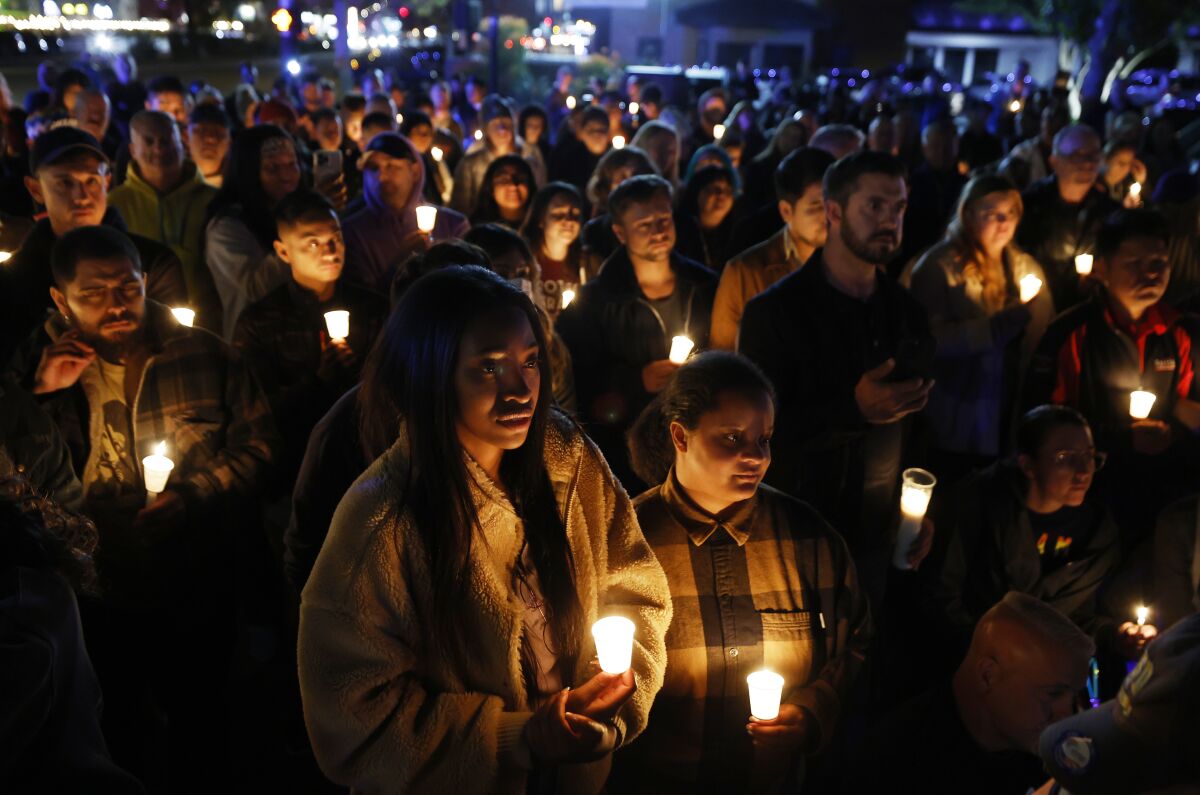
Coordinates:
column 196, row 394
column 767, row 584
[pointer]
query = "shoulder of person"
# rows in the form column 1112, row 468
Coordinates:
column 693, row 271
column 804, row 521
column 944, row 257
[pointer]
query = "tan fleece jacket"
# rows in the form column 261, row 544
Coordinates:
column 384, row 712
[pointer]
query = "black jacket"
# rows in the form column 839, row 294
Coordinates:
column 613, row 332
column 986, row 548
column 1053, row 232
column 814, row 343
column 25, row 281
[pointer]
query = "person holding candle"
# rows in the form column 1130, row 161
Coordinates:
column 977, row 730
column 616, row 166
column 1126, row 339
column 802, row 209
column 119, row 375
column 986, row 332
column 1028, row 524
column 620, row 326
column 758, row 580
column 284, row 335
column 451, row 603
column 69, row 176
column 499, row 138
column 439, row 182
column 384, row 232
column 849, row 352
column 1121, row 171
column 553, row 233
column 1064, row 211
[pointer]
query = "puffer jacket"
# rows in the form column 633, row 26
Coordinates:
column 385, row 712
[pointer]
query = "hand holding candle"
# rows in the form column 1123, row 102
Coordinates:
column 1083, row 264
column 338, row 324
column 681, row 347
column 1030, row 287
column 426, row 218
column 614, row 643
column 1140, row 403
column 1132, row 637
column 184, row 315
column 916, row 489
column 156, row 469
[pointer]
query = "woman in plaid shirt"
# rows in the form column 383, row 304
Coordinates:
column 758, row 580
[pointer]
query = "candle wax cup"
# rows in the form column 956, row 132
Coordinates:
column 766, row 690
column 1030, row 286
column 680, row 348
column 1140, row 403
column 614, row 643
column 1083, row 264
column 185, row 316
column 156, row 471
column 567, row 297
column 338, row 324
column 426, row 218
column 915, row 492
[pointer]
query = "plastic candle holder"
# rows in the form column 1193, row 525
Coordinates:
column 1143, row 613
column 567, row 297
column 618, row 142
column 718, row 132
column 680, row 348
column 156, row 469
column 614, row 643
column 766, row 690
column 1083, row 264
column 916, row 488
column 1030, row 287
column 184, row 315
column 338, row 324
column 1140, row 403
column 426, row 218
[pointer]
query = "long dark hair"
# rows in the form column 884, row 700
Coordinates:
column 694, row 390
column 486, row 209
column 36, row 532
column 413, row 376
column 241, row 194
column 534, row 229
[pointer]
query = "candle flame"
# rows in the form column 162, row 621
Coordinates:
column 1143, row 613
column 437, row 153
column 5, row 256
column 160, row 448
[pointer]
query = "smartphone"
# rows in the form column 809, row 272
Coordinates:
column 327, row 166
column 914, row 359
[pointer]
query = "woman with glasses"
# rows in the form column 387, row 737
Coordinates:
column 505, row 193
column 970, row 284
column 1029, row 524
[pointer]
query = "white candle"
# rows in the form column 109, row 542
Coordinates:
column 567, row 297
column 634, row 108
column 766, row 690
column 156, row 468
column 915, row 491
column 437, row 153
column 5, row 256
column 338, row 324
column 185, row 316
column 618, row 142
column 1143, row 613
column 1083, row 264
column 570, row 103
column 399, row 118
column 1135, row 190
column 718, row 132
column 426, row 218
column 680, row 348
column 1140, row 403
column 614, row 643
column 1015, row 106
column 479, row 135
column 1030, row 287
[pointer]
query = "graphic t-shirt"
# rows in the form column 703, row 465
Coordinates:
column 1057, row 533
column 556, row 279
column 112, row 483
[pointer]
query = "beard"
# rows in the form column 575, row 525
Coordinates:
column 879, row 252
column 115, row 348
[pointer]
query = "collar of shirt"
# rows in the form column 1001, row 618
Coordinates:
column 1156, row 320
column 302, row 297
column 737, row 520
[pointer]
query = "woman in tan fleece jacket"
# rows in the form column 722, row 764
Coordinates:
column 444, row 641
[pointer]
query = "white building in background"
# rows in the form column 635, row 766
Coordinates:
column 966, row 46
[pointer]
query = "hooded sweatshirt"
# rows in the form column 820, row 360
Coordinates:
column 378, row 239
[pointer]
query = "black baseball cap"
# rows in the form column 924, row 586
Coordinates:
column 391, row 144
column 58, row 142
column 1144, row 739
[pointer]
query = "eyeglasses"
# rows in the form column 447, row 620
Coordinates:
column 1079, row 460
column 510, row 179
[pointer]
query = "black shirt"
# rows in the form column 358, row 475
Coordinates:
column 923, row 746
column 1056, row 534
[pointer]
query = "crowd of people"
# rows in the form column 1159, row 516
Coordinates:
column 334, row 420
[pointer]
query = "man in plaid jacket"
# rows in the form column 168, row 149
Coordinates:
column 120, row 377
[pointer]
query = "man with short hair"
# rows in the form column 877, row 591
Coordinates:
column 374, row 124
column 1126, row 338
column 979, row 732
column 849, row 352
column 209, row 138
column 165, row 198
column 933, row 189
column 620, row 327
column 802, row 208
column 168, row 94
column 384, row 233
column 93, row 112
column 839, row 140
column 121, row 377
column 284, row 336
column 1064, row 211
column 1029, row 161
column 69, row 176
